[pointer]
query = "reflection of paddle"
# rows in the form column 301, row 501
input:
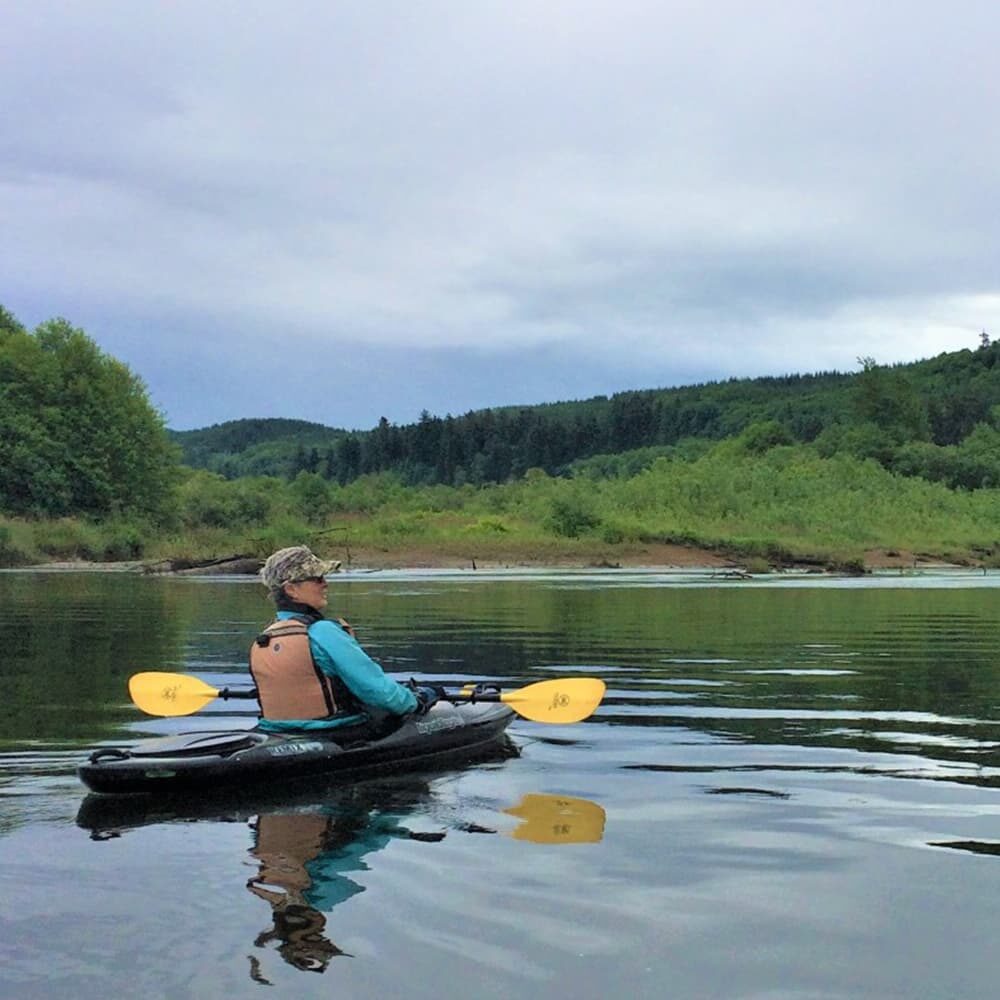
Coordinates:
column 556, row 701
column 557, row 819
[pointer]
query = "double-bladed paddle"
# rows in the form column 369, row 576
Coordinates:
column 557, row 701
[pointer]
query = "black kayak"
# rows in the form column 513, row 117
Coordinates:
column 206, row 760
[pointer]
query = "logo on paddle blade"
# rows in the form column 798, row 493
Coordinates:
column 559, row 700
column 170, row 693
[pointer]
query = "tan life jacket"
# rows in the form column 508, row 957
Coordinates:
column 289, row 684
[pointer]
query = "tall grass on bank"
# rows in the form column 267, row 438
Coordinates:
column 24, row 542
column 786, row 504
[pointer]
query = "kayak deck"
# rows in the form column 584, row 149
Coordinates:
column 217, row 759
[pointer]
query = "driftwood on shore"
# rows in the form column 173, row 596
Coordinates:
column 235, row 565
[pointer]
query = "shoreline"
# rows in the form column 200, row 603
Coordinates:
column 654, row 557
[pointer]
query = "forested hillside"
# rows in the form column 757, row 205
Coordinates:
column 932, row 418
column 257, row 447
column 824, row 468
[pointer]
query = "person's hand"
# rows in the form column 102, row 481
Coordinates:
column 427, row 698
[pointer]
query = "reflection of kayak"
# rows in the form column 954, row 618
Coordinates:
column 217, row 759
column 312, row 843
column 400, row 793
column 110, row 816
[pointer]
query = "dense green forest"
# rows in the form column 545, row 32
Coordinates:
column 77, row 432
column 813, row 468
column 932, row 419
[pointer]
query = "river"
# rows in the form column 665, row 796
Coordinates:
column 791, row 790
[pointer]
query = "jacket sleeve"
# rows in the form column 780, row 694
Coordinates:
column 340, row 655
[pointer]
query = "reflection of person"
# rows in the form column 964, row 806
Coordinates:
column 303, row 860
column 310, row 672
column 307, row 856
column 284, row 846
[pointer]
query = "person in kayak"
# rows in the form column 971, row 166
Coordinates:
column 310, row 672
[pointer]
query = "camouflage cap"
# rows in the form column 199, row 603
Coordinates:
column 293, row 564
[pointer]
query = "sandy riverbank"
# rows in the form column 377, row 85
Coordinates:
column 644, row 556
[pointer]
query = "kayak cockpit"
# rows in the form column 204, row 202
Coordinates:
column 183, row 745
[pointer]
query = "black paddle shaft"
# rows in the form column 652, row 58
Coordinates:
column 225, row 693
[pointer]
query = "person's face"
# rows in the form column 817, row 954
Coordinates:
column 311, row 591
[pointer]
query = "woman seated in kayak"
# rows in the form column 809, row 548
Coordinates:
column 310, row 672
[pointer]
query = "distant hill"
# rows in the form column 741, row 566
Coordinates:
column 931, row 406
column 254, row 447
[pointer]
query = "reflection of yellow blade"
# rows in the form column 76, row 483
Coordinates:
column 557, row 819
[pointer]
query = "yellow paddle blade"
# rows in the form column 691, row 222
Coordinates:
column 560, row 701
column 158, row 693
column 557, row 819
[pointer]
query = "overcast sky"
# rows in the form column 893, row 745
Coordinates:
column 342, row 210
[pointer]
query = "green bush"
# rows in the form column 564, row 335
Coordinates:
column 311, row 497
column 612, row 534
column 763, row 436
column 122, row 542
column 571, row 516
column 206, row 499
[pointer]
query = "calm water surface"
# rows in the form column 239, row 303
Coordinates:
column 791, row 791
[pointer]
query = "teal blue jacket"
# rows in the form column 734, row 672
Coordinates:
column 338, row 654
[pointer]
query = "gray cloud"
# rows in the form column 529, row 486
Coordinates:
column 624, row 195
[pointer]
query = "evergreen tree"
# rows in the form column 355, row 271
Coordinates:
column 348, row 459
column 887, row 399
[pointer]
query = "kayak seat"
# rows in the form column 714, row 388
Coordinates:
column 183, row 745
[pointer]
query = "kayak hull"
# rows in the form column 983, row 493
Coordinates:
column 205, row 760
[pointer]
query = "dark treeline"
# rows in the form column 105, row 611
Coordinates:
column 917, row 419
column 495, row 445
